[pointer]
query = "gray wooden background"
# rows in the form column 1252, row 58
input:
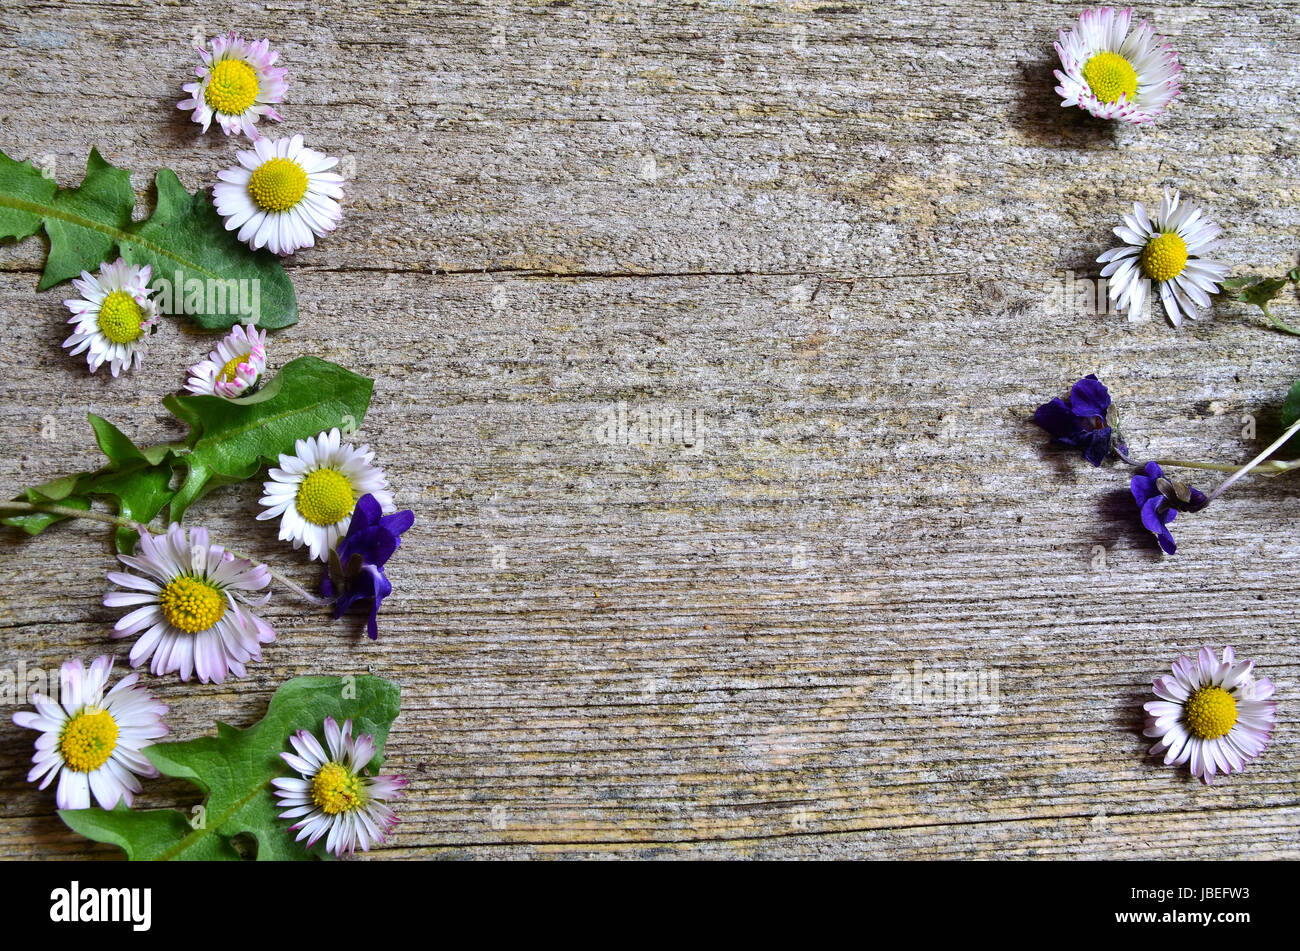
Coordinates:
column 827, row 246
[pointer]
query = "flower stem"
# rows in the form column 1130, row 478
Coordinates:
column 1125, row 458
column 291, row 585
column 48, row 508
column 1280, row 325
column 1272, row 467
column 1277, row 444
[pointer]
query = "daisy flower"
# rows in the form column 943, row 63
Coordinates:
column 335, row 795
column 114, row 316
column 315, row 492
column 92, row 740
column 190, row 605
column 1213, row 714
column 1115, row 74
column 281, row 195
column 238, row 84
column 1164, row 248
column 232, row 369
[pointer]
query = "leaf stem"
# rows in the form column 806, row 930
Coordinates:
column 1279, row 324
column 49, row 508
column 63, row 511
column 288, row 583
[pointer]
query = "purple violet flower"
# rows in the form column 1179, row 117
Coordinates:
column 355, row 572
column 1160, row 498
column 1085, row 421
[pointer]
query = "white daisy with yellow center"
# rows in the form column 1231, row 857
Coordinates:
column 314, row 492
column 238, row 84
column 1164, row 249
column 335, row 796
column 189, row 600
column 234, row 368
column 1113, row 73
column 114, row 316
column 1212, row 714
column 282, row 196
column 92, row 740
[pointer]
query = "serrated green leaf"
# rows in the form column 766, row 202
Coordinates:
column 235, row 769
column 1257, row 291
column 230, row 440
column 143, row 835
column 25, row 187
column 140, row 484
column 104, row 199
column 184, row 241
column 136, row 482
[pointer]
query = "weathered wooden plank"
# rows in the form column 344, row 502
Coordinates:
column 828, row 247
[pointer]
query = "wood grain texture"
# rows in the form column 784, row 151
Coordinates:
column 831, row 240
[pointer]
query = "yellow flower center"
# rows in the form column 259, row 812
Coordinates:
column 192, row 605
column 336, row 790
column 1164, row 257
column 1110, row 76
column 232, row 88
column 1210, row 713
column 325, row 497
column 231, row 369
column 121, row 319
column 88, row 740
column 278, row 184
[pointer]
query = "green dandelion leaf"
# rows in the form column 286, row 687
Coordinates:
column 200, row 269
column 239, row 818
column 229, row 441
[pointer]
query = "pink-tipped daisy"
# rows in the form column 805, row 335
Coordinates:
column 281, row 196
column 234, row 368
column 238, row 84
column 1113, row 73
column 114, row 316
column 92, row 740
column 335, row 796
column 189, row 601
column 1213, row 714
